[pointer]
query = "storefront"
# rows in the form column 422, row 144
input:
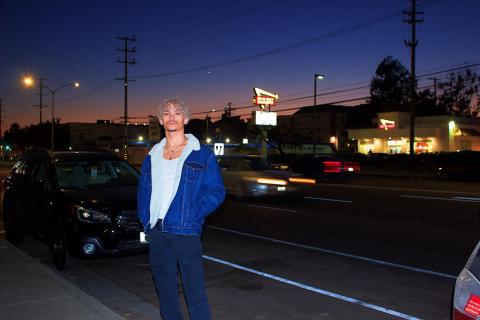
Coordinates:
column 432, row 134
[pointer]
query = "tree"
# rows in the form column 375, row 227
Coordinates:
column 458, row 91
column 389, row 88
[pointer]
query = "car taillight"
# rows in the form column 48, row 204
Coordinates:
column 332, row 166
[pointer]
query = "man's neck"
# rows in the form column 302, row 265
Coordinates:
column 175, row 138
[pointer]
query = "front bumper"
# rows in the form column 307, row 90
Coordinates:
column 119, row 236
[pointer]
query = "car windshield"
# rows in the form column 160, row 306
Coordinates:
column 94, row 174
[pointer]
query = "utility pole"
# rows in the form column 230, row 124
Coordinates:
column 40, row 86
column 434, row 79
column 410, row 17
column 228, row 111
column 125, row 79
column 0, row 118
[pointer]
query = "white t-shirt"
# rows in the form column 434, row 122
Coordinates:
column 163, row 194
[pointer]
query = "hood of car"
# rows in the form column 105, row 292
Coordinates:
column 114, row 198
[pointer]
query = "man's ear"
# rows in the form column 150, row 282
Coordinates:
column 185, row 121
column 161, row 122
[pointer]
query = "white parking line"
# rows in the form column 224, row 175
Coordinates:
column 271, row 208
column 327, row 199
column 461, row 199
column 314, row 289
column 381, row 262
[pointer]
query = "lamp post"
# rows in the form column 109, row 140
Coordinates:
column 316, row 77
column 207, row 120
column 74, row 84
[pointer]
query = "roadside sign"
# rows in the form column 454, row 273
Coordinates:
column 219, row 149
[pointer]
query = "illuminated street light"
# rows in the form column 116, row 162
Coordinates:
column 28, row 81
column 209, row 140
column 316, row 77
column 70, row 84
column 140, row 138
column 227, row 140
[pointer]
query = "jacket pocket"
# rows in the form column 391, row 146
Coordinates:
column 194, row 171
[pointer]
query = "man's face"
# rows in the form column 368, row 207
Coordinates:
column 173, row 119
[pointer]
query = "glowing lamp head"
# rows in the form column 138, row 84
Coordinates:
column 28, row 81
column 76, row 84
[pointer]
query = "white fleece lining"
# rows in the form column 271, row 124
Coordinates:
column 156, row 155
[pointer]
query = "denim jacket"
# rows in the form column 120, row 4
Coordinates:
column 200, row 192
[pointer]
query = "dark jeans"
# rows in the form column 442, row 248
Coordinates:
column 166, row 252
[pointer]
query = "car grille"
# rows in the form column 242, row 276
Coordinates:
column 128, row 221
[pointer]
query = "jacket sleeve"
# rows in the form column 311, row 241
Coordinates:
column 214, row 190
column 144, row 192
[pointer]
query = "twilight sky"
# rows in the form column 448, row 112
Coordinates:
column 210, row 53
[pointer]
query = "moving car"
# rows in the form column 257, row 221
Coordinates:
column 82, row 203
column 326, row 167
column 247, row 176
column 466, row 296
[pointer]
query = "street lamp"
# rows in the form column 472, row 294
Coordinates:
column 316, row 77
column 207, row 121
column 70, row 84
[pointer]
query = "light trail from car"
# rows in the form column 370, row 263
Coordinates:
column 314, row 289
column 460, row 199
column 338, row 253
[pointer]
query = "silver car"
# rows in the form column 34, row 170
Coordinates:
column 246, row 176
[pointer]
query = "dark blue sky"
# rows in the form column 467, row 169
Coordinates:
column 76, row 40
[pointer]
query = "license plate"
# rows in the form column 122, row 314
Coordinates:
column 143, row 237
column 281, row 188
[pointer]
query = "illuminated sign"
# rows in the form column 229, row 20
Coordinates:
column 219, row 149
column 265, row 118
column 264, row 101
column 264, row 98
column 387, row 124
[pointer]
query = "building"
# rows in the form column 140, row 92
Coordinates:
column 108, row 136
column 330, row 126
column 432, row 134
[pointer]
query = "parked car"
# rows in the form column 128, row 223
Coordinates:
column 247, row 176
column 326, row 167
column 466, row 295
column 83, row 204
column 463, row 165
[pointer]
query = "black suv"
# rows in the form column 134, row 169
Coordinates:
column 82, row 203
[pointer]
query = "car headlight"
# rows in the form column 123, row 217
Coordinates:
column 278, row 182
column 91, row 215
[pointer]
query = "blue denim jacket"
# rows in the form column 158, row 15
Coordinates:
column 199, row 193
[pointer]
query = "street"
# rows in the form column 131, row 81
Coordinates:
column 377, row 248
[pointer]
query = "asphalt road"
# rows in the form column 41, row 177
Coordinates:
column 373, row 249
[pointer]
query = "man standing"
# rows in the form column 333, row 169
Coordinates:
column 180, row 184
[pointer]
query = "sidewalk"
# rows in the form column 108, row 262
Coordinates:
column 30, row 290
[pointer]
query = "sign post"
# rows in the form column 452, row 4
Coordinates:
column 263, row 118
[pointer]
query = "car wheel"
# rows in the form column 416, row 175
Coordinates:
column 239, row 191
column 59, row 246
column 13, row 231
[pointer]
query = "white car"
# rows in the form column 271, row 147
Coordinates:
column 246, row 176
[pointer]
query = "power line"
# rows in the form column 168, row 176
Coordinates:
column 329, row 35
